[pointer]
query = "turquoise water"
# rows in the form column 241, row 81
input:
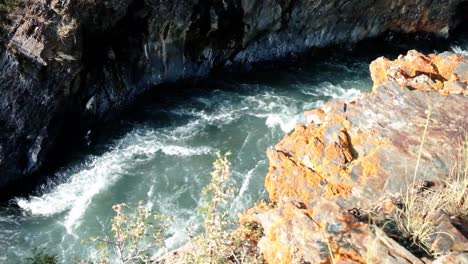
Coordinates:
column 162, row 153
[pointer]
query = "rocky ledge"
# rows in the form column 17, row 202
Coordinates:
column 68, row 65
column 360, row 156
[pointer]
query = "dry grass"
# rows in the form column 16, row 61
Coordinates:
column 66, row 29
column 455, row 192
column 414, row 220
column 9, row 5
column 419, row 207
column 417, row 218
column 137, row 233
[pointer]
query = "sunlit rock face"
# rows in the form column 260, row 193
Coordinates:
column 357, row 154
column 363, row 148
column 71, row 64
column 446, row 72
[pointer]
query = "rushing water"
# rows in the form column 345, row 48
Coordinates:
column 162, row 154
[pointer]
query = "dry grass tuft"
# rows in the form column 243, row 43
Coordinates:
column 416, row 220
column 418, row 210
column 455, row 192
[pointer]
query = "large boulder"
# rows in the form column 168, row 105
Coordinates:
column 446, row 72
column 324, row 233
column 361, row 154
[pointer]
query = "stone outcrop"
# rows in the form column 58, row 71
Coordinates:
column 445, row 72
column 66, row 65
column 324, row 233
column 361, row 154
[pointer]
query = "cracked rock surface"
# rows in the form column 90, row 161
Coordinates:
column 351, row 155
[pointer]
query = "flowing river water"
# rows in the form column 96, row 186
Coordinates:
column 162, row 153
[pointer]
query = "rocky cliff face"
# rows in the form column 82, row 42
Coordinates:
column 69, row 64
column 364, row 154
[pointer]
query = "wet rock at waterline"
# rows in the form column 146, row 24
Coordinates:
column 68, row 65
column 353, row 155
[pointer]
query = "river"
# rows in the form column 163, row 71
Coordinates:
column 162, row 152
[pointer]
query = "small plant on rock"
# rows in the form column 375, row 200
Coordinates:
column 220, row 243
column 215, row 198
column 7, row 7
column 136, row 234
column 414, row 221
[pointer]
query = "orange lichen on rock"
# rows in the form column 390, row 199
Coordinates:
column 368, row 167
column 324, row 233
column 261, row 207
column 309, row 164
column 348, row 155
column 290, row 181
column 345, row 146
column 421, row 72
column 316, row 116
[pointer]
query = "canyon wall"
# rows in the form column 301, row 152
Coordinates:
column 68, row 64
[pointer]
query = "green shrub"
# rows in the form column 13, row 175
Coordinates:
column 7, row 7
column 7, row 10
column 40, row 257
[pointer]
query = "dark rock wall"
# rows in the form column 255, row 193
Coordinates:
column 71, row 63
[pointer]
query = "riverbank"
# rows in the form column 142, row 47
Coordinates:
column 341, row 184
column 67, row 68
column 379, row 179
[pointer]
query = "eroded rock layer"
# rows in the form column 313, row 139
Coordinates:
column 359, row 154
column 69, row 64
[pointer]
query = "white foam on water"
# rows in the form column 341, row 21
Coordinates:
column 185, row 223
column 149, row 194
column 459, row 50
column 222, row 116
column 76, row 193
column 173, row 150
column 286, row 123
column 243, row 198
column 200, row 119
column 182, row 229
column 285, row 112
column 278, row 111
column 78, row 186
column 247, row 179
column 328, row 89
